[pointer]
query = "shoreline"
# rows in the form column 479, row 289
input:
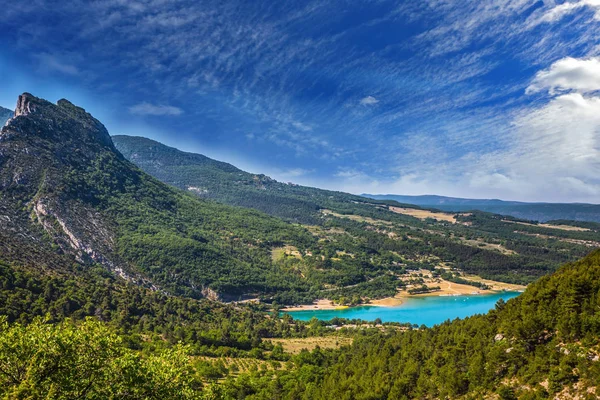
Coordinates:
column 448, row 289
column 389, row 302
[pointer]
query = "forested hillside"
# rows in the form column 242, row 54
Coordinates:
column 70, row 198
column 361, row 239
column 220, row 181
column 67, row 196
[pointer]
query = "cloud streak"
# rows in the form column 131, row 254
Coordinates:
column 156, row 110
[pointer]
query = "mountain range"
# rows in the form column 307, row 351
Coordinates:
column 542, row 212
column 118, row 255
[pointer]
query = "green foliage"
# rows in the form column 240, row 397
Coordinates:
column 87, row 361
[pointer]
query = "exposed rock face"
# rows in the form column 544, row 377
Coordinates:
column 26, row 103
column 210, row 294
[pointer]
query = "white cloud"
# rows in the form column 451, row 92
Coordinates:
column 151, row 109
column 294, row 172
column 301, row 126
column 549, row 152
column 568, row 74
column 560, row 139
column 368, row 101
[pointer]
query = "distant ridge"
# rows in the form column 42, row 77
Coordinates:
column 542, row 212
column 5, row 115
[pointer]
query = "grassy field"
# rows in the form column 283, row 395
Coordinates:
column 296, row 345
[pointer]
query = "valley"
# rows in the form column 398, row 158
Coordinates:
column 300, row 200
column 181, row 290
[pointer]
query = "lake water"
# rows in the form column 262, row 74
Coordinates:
column 430, row 310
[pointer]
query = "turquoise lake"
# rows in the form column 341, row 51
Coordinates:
column 419, row 310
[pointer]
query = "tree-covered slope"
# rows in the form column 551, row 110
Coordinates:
column 217, row 180
column 69, row 197
column 543, row 344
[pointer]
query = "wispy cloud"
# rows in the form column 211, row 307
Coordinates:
column 52, row 63
column 151, row 109
column 559, row 11
column 436, row 95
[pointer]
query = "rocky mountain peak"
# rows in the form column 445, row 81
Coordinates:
column 59, row 122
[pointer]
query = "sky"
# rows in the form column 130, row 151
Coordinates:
column 480, row 99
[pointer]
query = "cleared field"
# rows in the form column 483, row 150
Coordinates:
column 424, row 214
column 550, row 226
column 321, row 304
column 296, row 345
column 357, row 218
column 388, row 301
column 488, row 246
column 495, row 285
column 279, row 252
column 448, row 288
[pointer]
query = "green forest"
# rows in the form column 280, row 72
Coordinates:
column 535, row 346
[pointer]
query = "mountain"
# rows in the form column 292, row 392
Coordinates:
column 543, row 212
column 68, row 196
column 5, row 114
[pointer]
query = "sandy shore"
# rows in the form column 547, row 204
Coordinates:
column 322, row 304
column 388, row 301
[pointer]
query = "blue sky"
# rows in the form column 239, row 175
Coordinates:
column 495, row 98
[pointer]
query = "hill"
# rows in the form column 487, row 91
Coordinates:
column 389, row 238
column 543, row 344
column 208, row 178
column 543, row 212
column 69, row 197
column 105, row 269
